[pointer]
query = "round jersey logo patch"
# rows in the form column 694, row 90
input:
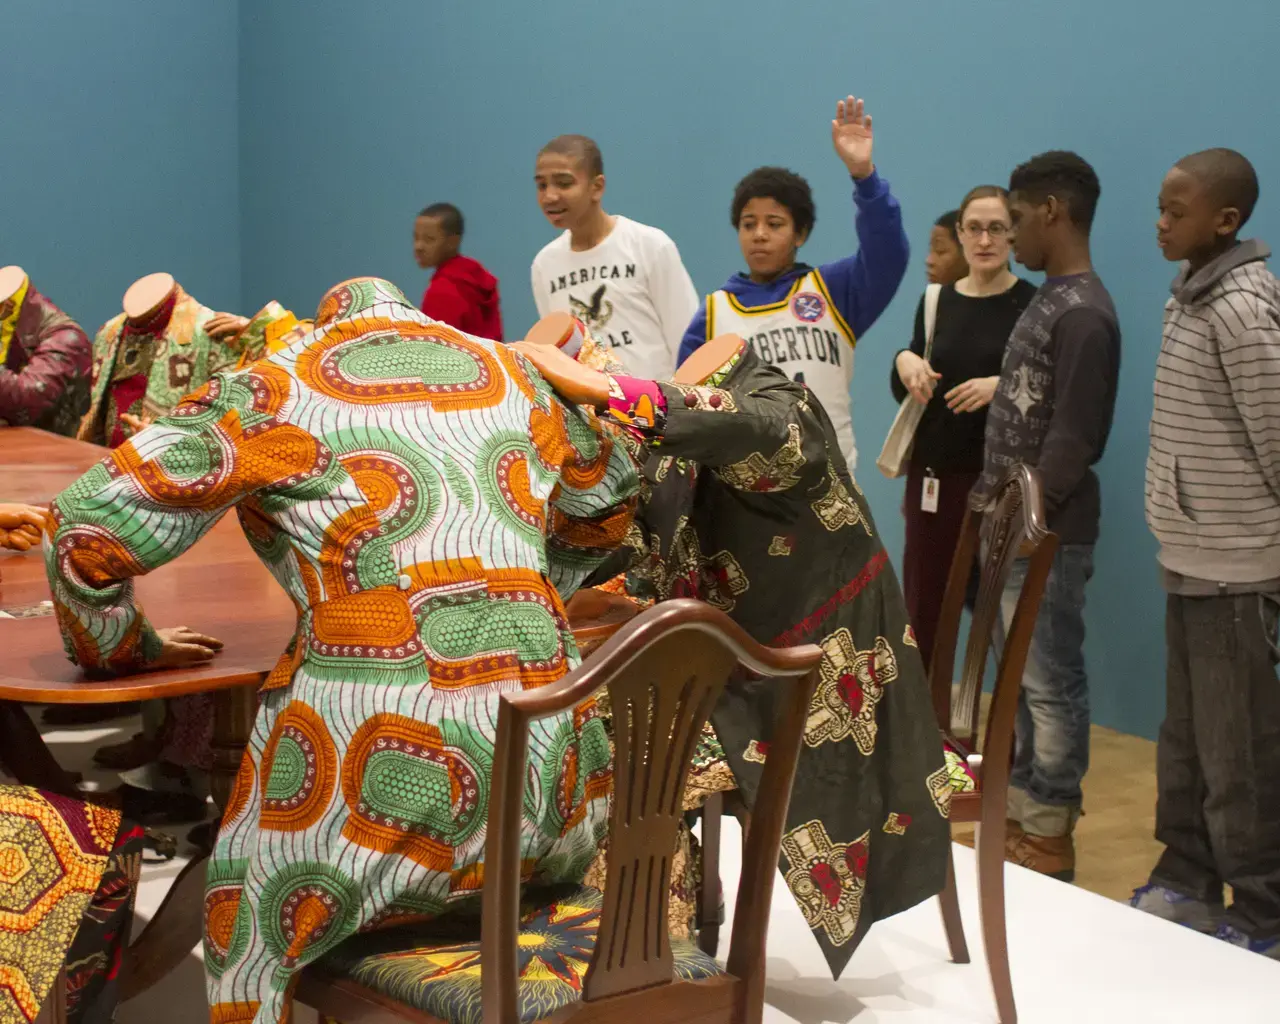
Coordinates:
column 809, row 307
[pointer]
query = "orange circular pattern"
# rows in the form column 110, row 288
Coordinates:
column 241, row 790
column 299, row 771
column 513, row 481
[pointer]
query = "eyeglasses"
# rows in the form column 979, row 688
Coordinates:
column 996, row 231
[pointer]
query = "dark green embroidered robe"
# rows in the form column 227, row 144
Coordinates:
column 748, row 505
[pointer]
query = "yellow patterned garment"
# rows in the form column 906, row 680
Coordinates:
column 10, row 310
column 68, row 872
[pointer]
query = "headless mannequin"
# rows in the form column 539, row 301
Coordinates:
column 147, row 294
column 11, row 279
column 709, row 359
column 590, row 387
column 143, row 298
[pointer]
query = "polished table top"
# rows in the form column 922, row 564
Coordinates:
column 218, row 587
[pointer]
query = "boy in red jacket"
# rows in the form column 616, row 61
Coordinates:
column 462, row 293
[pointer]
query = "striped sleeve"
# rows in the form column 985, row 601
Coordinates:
column 1249, row 347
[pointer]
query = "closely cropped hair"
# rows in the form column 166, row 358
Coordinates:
column 449, row 216
column 583, row 149
column 1064, row 175
column 785, row 187
column 1228, row 176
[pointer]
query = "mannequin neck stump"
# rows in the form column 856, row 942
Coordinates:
column 146, row 297
column 11, row 281
column 710, row 359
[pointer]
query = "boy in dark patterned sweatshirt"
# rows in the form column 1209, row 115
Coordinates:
column 1213, row 503
column 1052, row 411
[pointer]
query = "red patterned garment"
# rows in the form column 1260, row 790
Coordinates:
column 68, row 874
column 45, row 362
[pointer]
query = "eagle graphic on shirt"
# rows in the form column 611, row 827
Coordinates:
column 595, row 314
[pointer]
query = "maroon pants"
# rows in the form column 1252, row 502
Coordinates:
column 930, row 545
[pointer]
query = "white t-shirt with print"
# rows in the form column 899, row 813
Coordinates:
column 631, row 291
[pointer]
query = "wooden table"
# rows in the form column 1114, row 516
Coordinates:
column 219, row 587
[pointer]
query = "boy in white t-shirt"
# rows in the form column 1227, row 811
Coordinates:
column 624, row 280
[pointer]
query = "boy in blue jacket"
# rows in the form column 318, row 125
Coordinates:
column 806, row 320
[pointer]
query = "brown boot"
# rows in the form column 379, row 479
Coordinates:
column 1012, row 833
column 1054, row 856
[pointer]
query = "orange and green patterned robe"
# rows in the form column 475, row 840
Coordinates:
column 401, row 480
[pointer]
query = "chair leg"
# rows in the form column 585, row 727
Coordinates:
column 54, row 1010
column 990, row 849
column 949, row 903
column 709, row 892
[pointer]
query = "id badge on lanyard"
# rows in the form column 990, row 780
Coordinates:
column 929, row 492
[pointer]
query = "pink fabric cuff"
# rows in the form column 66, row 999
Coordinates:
column 638, row 404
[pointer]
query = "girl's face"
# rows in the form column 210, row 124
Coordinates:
column 768, row 238
column 945, row 262
column 986, row 233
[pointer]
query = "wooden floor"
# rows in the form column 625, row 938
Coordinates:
column 1115, row 845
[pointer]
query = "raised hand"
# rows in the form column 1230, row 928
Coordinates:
column 851, row 137
column 183, row 647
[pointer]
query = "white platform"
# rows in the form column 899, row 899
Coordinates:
column 1075, row 957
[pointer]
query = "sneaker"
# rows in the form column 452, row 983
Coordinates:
column 1266, row 947
column 1054, row 856
column 1169, row 905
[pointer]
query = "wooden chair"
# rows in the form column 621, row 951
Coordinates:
column 1011, row 523
column 664, row 671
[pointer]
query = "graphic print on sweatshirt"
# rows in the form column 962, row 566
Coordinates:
column 631, row 290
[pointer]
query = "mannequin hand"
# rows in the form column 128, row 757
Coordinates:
column 917, row 376
column 972, row 395
column 20, row 527
column 574, row 382
column 222, row 325
column 182, row 647
column 136, row 424
column 851, row 137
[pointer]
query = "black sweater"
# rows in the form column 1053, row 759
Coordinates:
column 969, row 341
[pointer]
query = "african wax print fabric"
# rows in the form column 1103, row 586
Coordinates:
column 442, row 974
column 400, row 480
column 748, row 505
column 146, row 367
column 68, row 876
column 44, row 364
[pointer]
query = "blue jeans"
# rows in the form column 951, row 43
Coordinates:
column 1051, row 746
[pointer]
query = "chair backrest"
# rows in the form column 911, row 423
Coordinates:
column 664, row 671
column 997, row 529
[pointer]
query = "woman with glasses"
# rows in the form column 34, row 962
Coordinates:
column 955, row 384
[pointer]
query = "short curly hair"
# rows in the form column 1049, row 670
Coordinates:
column 1064, row 175
column 784, row 187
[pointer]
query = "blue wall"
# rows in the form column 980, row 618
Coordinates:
column 120, row 135
column 349, row 121
column 425, row 102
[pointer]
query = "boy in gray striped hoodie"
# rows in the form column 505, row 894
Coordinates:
column 1213, row 502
